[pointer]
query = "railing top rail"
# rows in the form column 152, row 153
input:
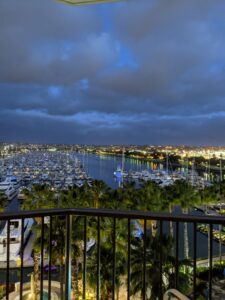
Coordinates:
column 128, row 214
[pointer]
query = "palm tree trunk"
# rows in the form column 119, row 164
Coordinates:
column 75, row 287
column 61, row 278
column 220, row 245
column 36, row 275
column 154, row 227
column 109, row 294
column 118, row 293
column 186, row 244
column 171, row 223
column 208, row 244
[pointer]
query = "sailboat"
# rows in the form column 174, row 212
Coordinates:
column 120, row 173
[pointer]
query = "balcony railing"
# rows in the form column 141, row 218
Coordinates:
column 71, row 231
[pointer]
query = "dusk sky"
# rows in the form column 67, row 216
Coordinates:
column 131, row 72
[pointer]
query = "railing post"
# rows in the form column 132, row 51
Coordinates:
column 161, row 254
column 7, row 259
column 114, row 259
column 194, row 259
column 177, row 255
column 68, row 256
column 128, row 257
column 210, row 259
column 50, row 260
column 85, row 258
column 21, row 258
column 98, row 260
column 42, row 257
column 144, row 260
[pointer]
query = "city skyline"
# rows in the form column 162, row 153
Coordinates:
column 134, row 72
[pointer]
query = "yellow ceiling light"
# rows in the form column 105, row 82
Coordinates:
column 83, row 2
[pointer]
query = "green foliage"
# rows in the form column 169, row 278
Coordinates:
column 2, row 291
column 155, row 247
column 183, row 194
column 148, row 197
column 3, row 201
column 217, row 272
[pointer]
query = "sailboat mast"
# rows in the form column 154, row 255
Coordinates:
column 123, row 158
column 193, row 172
column 167, row 163
column 186, row 167
column 209, row 167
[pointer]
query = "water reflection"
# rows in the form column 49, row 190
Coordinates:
column 103, row 166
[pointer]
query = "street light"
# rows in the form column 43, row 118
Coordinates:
column 83, row 2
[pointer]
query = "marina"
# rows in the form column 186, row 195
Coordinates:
column 61, row 170
column 57, row 170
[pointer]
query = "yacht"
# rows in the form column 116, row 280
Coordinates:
column 8, row 189
column 118, row 173
column 15, row 238
column 13, row 180
column 69, row 181
column 21, row 192
column 79, row 183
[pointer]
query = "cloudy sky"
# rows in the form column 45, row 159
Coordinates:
column 132, row 72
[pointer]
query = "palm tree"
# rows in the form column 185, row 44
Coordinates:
column 98, row 192
column 43, row 197
column 81, row 197
column 107, row 258
column 3, row 202
column 156, row 248
column 38, row 197
column 153, row 275
column 150, row 198
column 186, row 196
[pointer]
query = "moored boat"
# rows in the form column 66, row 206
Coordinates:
column 15, row 238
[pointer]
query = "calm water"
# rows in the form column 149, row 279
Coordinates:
column 103, row 166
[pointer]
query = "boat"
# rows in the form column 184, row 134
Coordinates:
column 90, row 182
column 79, row 183
column 13, row 180
column 69, row 181
column 89, row 245
column 21, row 193
column 120, row 173
column 15, row 238
column 8, row 189
column 57, row 184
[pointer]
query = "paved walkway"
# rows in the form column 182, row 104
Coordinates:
column 205, row 262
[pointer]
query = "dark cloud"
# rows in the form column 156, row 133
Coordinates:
column 134, row 72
